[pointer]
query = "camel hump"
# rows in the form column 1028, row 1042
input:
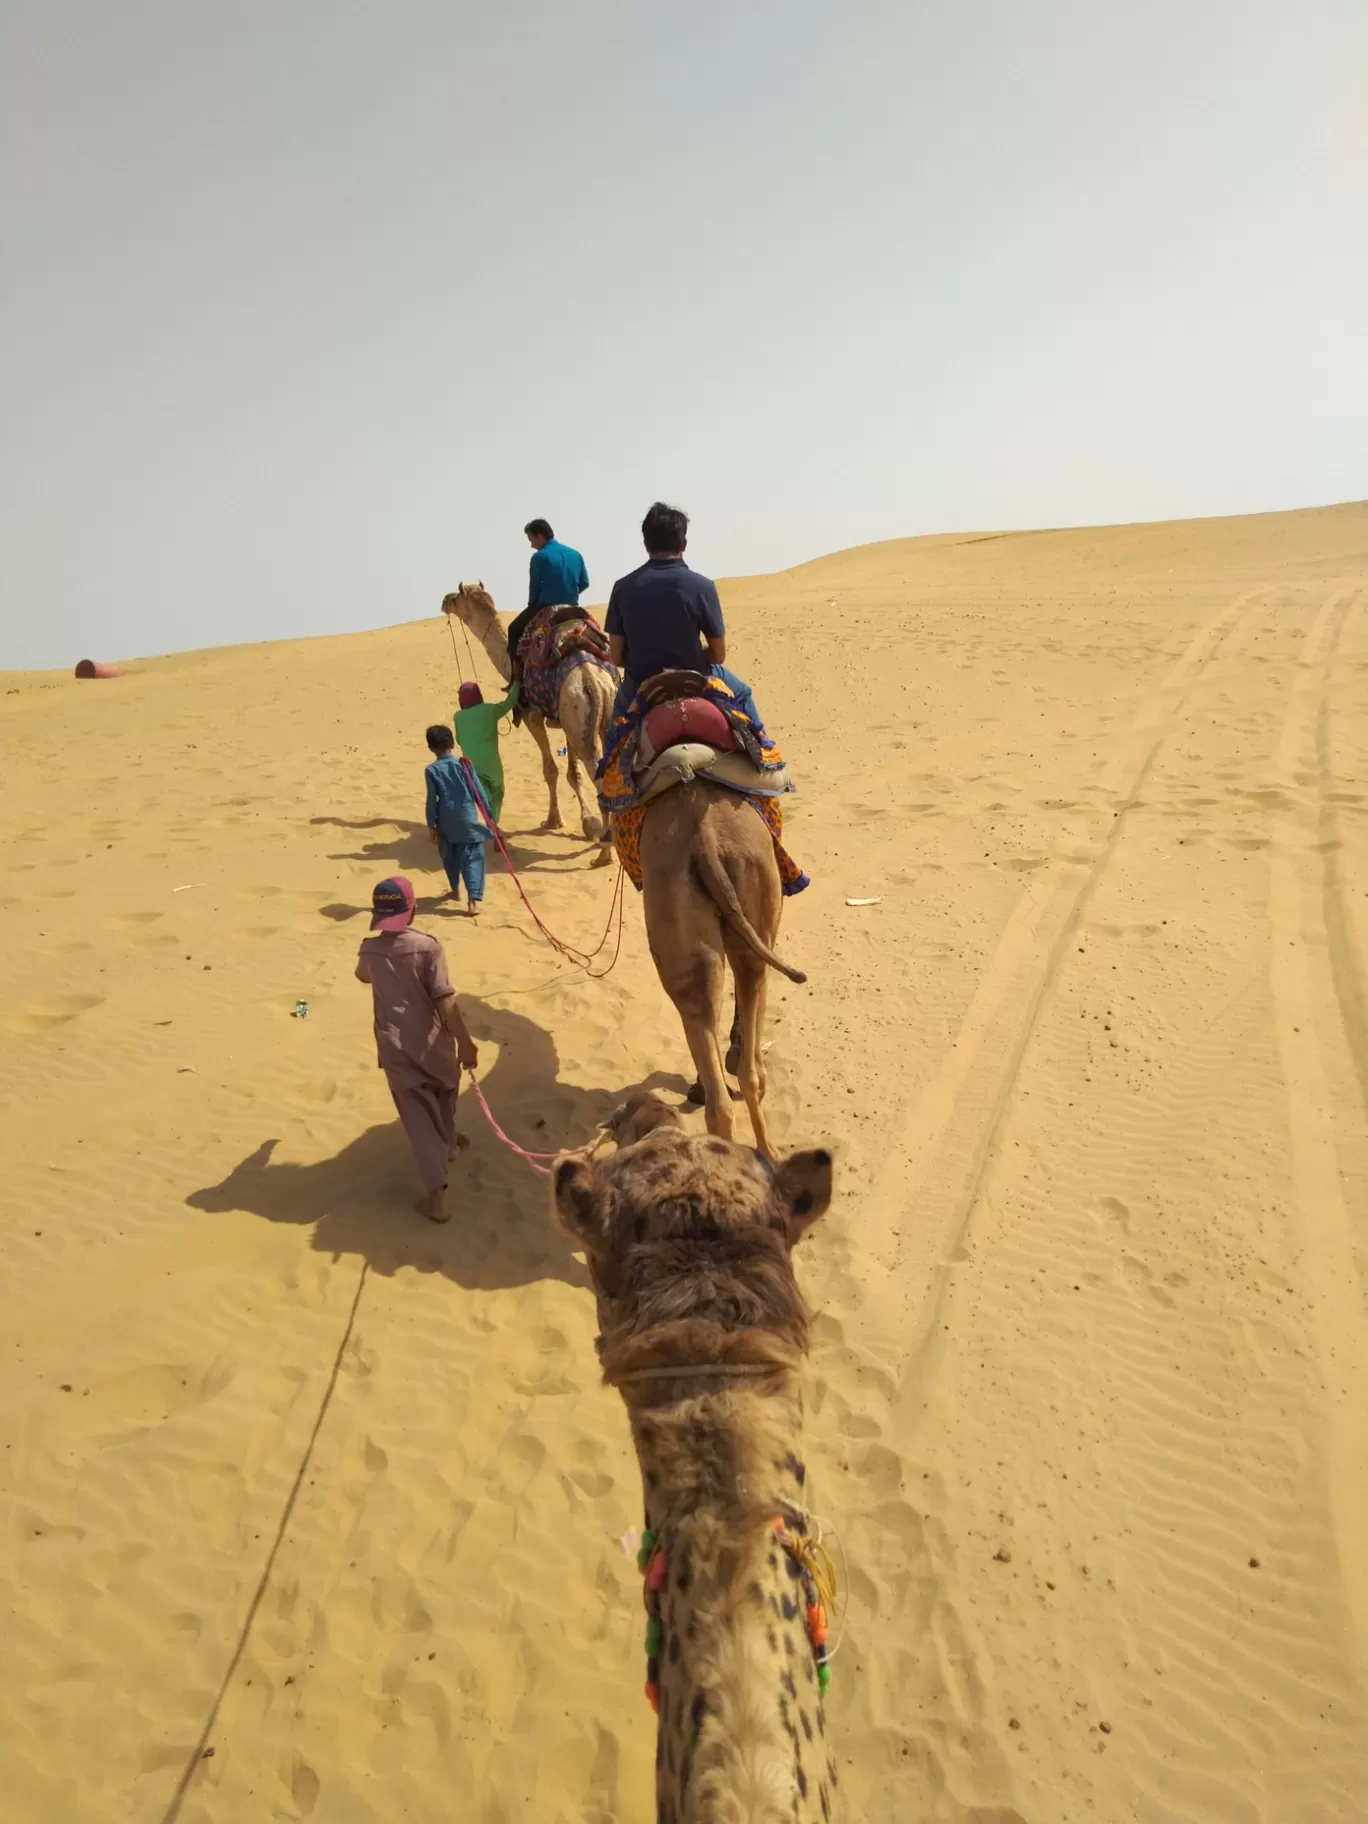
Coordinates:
column 718, row 886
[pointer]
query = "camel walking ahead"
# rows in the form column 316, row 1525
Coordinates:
column 713, row 896
column 586, row 708
column 703, row 1331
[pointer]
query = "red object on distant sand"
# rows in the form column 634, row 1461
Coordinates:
column 89, row 669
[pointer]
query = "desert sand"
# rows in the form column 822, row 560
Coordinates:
column 312, row 1510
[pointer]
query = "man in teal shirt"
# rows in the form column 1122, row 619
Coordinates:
column 556, row 577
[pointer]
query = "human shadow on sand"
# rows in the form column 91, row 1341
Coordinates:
column 409, row 847
column 501, row 1233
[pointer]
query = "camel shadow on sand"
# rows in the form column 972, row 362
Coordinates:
column 501, row 1234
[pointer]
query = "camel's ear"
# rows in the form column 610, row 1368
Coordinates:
column 803, row 1185
column 580, row 1200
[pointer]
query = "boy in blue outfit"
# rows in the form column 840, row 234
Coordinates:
column 454, row 802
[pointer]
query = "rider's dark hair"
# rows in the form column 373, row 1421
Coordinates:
column 539, row 528
column 664, row 529
column 440, row 739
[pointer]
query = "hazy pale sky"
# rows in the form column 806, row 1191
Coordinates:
column 308, row 306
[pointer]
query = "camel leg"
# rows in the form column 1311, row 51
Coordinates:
column 536, row 727
column 751, row 989
column 701, row 1034
column 579, row 710
column 731, row 1063
column 682, row 932
column 590, row 822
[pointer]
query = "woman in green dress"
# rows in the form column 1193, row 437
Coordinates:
column 477, row 734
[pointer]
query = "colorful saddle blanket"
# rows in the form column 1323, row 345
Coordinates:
column 550, row 649
column 617, row 780
column 619, row 785
column 626, row 832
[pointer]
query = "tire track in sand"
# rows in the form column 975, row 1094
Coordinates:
column 1317, row 982
column 945, row 1150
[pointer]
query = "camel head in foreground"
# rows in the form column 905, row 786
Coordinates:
column 689, row 1242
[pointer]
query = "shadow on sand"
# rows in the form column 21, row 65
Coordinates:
column 501, row 1233
column 408, row 847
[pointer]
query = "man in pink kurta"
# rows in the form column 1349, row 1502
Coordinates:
column 421, row 1041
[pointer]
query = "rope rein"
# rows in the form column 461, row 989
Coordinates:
column 535, row 1160
column 582, row 959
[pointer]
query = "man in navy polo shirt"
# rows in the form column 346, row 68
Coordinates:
column 666, row 617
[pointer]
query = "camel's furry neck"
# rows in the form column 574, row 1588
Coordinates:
column 484, row 623
column 741, row 1733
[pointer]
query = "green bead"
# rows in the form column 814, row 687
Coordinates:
column 653, row 1634
column 648, row 1540
column 823, row 1678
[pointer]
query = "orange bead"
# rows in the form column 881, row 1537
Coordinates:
column 653, row 1697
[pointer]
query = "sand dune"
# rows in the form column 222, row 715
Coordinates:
column 311, row 1511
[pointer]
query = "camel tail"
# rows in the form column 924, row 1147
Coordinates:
column 717, row 885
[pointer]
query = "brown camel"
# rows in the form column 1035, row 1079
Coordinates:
column 586, row 708
column 703, row 1331
column 712, row 896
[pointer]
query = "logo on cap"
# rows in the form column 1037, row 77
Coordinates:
column 392, row 904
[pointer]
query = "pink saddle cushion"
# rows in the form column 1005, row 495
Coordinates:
column 688, row 719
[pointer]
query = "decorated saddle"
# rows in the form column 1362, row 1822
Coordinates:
column 682, row 726
column 555, row 641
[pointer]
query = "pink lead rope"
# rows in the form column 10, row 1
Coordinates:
column 532, row 1159
column 581, row 958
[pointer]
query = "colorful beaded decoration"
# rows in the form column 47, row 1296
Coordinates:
column 815, row 1572
column 651, row 1564
column 818, row 1578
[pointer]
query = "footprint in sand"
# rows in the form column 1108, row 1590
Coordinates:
column 1118, row 1212
column 1139, row 1278
column 596, row 1483
column 56, row 1010
column 304, row 1784
column 151, row 1395
column 1023, row 863
column 880, row 1469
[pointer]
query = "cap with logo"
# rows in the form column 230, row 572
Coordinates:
column 392, row 904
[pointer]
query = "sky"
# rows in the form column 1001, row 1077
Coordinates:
column 310, row 304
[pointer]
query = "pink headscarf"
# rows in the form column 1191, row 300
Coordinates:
column 470, row 696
